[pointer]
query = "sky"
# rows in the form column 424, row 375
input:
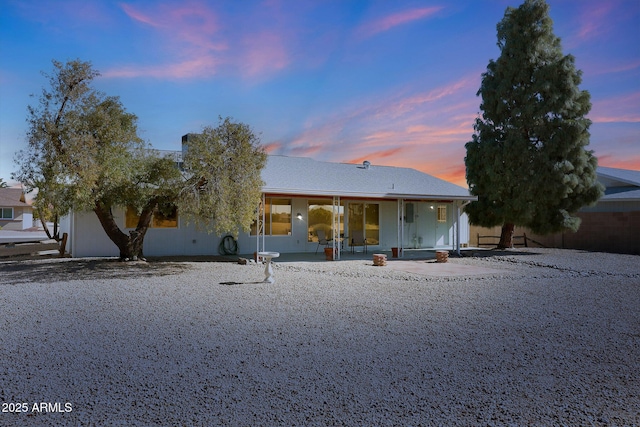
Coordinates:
column 391, row 82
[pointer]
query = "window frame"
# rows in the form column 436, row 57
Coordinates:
column 11, row 211
column 130, row 214
column 268, row 218
column 328, row 206
column 441, row 215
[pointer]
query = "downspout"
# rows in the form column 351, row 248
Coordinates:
column 260, row 225
column 398, row 222
column 400, row 227
column 264, row 213
column 335, row 225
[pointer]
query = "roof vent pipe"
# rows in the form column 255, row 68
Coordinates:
column 366, row 164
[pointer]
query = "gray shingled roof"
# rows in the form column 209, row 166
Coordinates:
column 623, row 175
column 622, row 184
column 305, row 176
column 11, row 198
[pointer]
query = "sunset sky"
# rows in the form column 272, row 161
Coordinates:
column 392, row 82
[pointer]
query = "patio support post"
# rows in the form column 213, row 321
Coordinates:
column 457, row 228
column 260, row 225
column 400, row 227
column 264, row 213
column 335, row 225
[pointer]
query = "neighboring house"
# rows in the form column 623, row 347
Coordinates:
column 304, row 198
column 612, row 225
column 15, row 212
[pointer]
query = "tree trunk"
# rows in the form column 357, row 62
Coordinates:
column 56, row 232
column 129, row 245
column 506, row 237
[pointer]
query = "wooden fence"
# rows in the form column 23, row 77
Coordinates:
column 494, row 240
column 45, row 247
column 523, row 241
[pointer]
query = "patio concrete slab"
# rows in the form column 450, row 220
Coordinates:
column 440, row 269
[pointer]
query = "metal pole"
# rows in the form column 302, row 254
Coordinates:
column 457, row 228
column 335, row 222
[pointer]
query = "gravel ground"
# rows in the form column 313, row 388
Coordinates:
column 552, row 339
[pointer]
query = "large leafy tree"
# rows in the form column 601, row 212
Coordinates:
column 84, row 153
column 223, row 183
column 527, row 161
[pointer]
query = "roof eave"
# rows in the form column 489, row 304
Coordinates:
column 620, row 199
column 615, row 177
column 391, row 196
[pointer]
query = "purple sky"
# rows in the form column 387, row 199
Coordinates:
column 392, row 82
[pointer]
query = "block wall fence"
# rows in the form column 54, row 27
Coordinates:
column 616, row 232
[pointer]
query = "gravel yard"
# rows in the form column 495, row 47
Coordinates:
column 550, row 337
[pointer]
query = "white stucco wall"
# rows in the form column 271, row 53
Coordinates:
column 87, row 238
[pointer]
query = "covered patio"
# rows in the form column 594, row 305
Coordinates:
column 309, row 205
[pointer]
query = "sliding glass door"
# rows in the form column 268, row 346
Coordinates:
column 364, row 220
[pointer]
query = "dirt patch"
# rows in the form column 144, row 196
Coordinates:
column 56, row 270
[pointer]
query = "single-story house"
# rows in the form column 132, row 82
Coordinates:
column 611, row 225
column 306, row 203
column 15, row 212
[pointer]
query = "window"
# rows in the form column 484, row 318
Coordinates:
column 277, row 218
column 159, row 219
column 131, row 218
column 6, row 213
column 320, row 217
column 165, row 219
column 442, row 213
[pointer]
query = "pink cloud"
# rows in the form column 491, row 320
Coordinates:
column 191, row 21
column 198, row 42
column 444, row 163
column 377, row 155
column 600, row 68
column 263, row 52
column 632, row 163
column 405, row 104
column 426, row 131
column 272, row 147
column 621, row 109
column 189, row 37
column 391, row 21
column 307, row 151
column 138, row 16
column 181, row 70
column 593, row 20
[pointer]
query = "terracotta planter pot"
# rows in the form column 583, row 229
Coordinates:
column 328, row 253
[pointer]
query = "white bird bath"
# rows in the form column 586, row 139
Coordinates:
column 268, row 269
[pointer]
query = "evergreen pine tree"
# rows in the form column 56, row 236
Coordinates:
column 527, row 161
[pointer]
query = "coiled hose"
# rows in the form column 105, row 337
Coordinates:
column 228, row 246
